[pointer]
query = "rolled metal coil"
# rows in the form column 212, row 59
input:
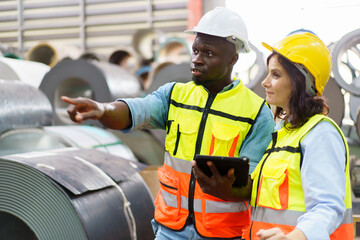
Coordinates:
column 51, row 53
column 28, row 72
column 346, row 58
column 73, row 194
column 101, row 81
column 23, row 106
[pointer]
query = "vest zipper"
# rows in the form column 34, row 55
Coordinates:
column 274, row 139
column 200, row 136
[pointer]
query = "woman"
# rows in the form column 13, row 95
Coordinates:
column 301, row 187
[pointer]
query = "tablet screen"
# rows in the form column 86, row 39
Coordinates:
column 223, row 164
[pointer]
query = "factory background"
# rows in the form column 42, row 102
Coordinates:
column 64, row 181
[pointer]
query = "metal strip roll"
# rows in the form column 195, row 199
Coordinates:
column 168, row 72
column 173, row 49
column 101, row 81
column 51, row 53
column 23, row 106
column 9, row 51
column 28, row 72
column 145, row 145
column 88, row 55
column 73, row 194
column 251, row 69
column 126, row 57
column 145, row 41
column 335, row 101
column 354, row 104
column 346, row 55
column 53, row 137
column 154, row 69
column 91, row 137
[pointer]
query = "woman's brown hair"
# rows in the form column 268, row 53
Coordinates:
column 302, row 106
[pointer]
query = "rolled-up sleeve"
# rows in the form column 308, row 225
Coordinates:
column 258, row 140
column 323, row 181
column 150, row 111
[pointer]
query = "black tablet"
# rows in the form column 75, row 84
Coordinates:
column 223, row 164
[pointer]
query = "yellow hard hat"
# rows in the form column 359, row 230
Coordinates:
column 308, row 50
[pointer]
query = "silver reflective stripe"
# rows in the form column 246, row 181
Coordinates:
column 178, row 164
column 197, row 205
column 169, row 199
column 288, row 217
column 211, row 206
column 184, row 202
column 225, row 207
column 348, row 218
column 184, row 166
column 268, row 215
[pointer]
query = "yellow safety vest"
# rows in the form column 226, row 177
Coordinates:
column 277, row 192
column 199, row 123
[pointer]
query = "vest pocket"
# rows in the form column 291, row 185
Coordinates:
column 181, row 137
column 171, row 129
column 188, row 132
column 168, row 201
column 274, row 185
column 224, row 139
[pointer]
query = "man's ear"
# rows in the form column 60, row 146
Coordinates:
column 234, row 59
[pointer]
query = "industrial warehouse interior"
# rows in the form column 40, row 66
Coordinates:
column 62, row 180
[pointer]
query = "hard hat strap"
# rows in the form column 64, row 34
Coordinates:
column 238, row 43
column 309, row 80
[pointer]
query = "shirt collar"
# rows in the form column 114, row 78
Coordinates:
column 231, row 85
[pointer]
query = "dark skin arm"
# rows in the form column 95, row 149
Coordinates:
column 221, row 186
column 114, row 115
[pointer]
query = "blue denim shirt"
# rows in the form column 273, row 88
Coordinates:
column 323, row 181
column 151, row 112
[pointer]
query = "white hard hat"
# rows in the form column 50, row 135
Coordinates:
column 223, row 22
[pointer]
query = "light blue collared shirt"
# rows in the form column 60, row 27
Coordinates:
column 323, row 181
column 151, row 112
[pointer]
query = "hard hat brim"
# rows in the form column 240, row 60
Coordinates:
column 267, row 46
column 245, row 49
column 190, row 32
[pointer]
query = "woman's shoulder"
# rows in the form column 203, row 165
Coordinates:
column 324, row 130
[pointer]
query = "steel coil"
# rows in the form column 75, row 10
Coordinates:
column 346, row 55
column 101, row 81
column 73, row 194
column 23, row 106
column 28, row 72
column 51, row 53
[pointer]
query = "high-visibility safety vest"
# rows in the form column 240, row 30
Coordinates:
column 277, row 196
column 199, row 123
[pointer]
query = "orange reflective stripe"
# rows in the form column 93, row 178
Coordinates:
column 256, row 226
column 233, row 146
column 284, row 191
column 258, row 193
column 211, row 150
column 344, row 232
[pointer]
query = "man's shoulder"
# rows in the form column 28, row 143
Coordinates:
column 266, row 113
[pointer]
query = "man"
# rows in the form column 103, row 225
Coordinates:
column 211, row 115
